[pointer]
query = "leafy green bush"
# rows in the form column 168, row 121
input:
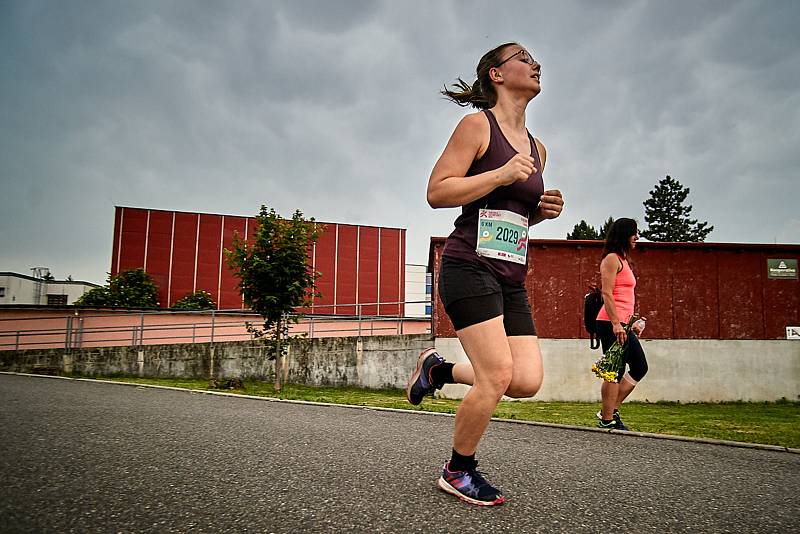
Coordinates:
column 199, row 300
column 129, row 289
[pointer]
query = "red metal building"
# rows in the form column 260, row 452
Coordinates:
column 183, row 253
column 686, row 290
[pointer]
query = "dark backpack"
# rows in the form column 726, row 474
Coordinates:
column 592, row 302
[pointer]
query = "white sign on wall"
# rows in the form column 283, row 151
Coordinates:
column 793, row 332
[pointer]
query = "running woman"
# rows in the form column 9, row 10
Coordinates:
column 491, row 168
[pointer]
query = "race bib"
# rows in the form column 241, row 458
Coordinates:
column 502, row 235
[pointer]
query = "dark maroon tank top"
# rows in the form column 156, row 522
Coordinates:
column 520, row 197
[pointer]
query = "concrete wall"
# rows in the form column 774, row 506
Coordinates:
column 372, row 362
column 688, row 370
column 680, row 370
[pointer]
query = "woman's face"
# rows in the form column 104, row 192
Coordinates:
column 633, row 239
column 517, row 66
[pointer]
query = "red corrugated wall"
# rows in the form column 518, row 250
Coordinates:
column 346, row 268
column 183, row 253
column 368, row 268
column 390, row 272
column 157, row 254
column 229, row 296
column 686, row 290
column 183, row 264
column 324, row 262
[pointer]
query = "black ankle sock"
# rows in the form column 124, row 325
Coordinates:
column 459, row 462
column 443, row 374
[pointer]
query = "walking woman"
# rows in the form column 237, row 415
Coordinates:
column 619, row 298
column 491, row 168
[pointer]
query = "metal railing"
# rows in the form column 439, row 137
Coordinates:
column 136, row 329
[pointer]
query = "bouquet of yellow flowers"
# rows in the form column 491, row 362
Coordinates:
column 608, row 366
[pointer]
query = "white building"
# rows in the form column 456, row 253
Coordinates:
column 41, row 289
column 418, row 291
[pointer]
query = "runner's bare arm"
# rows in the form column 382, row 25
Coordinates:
column 448, row 187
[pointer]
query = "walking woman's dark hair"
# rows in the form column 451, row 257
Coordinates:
column 619, row 235
column 481, row 94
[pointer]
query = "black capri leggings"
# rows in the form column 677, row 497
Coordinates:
column 633, row 356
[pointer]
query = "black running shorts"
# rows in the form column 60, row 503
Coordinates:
column 471, row 294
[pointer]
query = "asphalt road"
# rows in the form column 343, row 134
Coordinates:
column 78, row 456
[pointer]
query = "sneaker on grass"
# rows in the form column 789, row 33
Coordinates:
column 616, row 419
column 614, row 424
column 615, row 414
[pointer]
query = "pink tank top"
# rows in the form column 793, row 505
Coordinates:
column 624, row 296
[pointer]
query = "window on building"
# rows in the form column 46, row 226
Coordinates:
column 56, row 300
column 427, row 309
column 428, row 283
column 2, row 292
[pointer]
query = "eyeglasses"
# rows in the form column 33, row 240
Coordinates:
column 525, row 57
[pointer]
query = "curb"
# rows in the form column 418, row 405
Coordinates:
column 650, row 435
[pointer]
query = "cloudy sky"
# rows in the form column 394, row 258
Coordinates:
column 332, row 107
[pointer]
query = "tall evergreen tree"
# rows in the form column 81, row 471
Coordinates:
column 605, row 228
column 583, row 230
column 668, row 218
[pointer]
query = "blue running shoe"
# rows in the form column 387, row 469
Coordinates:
column 421, row 383
column 470, row 486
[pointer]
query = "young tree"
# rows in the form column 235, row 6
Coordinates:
column 666, row 216
column 128, row 289
column 274, row 275
column 583, row 230
column 199, row 300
